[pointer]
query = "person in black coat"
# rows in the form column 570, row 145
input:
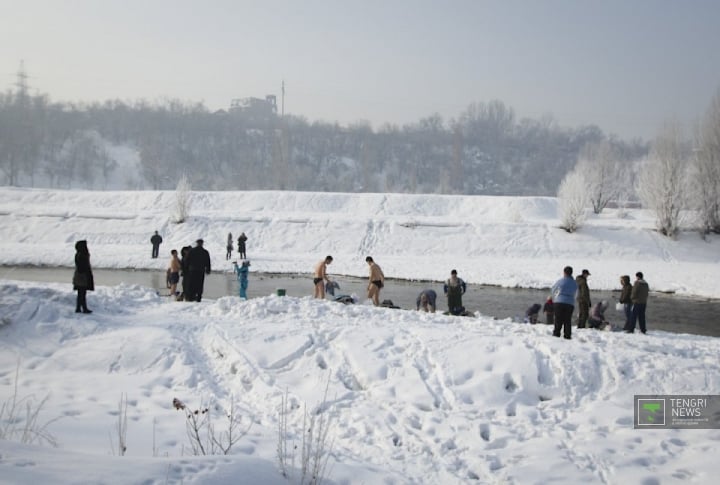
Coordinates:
column 83, row 280
column 198, row 261
column 185, row 273
column 241, row 246
column 156, row 240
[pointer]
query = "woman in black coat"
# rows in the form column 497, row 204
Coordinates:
column 83, row 280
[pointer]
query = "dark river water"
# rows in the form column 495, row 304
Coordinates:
column 664, row 312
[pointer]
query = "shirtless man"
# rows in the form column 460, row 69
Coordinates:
column 173, row 272
column 320, row 277
column 377, row 281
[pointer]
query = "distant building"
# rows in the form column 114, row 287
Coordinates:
column 255, row 107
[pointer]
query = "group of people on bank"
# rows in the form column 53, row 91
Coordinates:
column 194, row 263
column 189, row 270
column 376, row 279
column 567, row 292
column 453, row 288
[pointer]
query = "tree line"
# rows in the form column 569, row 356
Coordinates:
column 484, row 150
column 679, row 178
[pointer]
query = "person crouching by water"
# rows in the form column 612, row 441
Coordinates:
column 426, row 301
column 454, row 289
column 83, row 280
column 597, row 316
column 320, row 277
column 242, row 277
column 531, row 314
column 376, row 281
column 563, row 292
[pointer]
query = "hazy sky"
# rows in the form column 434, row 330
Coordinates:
column 625, row 65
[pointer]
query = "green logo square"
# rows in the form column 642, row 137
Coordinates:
column 651, row 412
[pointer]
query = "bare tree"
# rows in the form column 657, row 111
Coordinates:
column 572, row 201
column 182, row 200
column 706, row 169
column 662, row 180
column 600, row 165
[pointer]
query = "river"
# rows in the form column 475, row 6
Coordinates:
column 667, row 312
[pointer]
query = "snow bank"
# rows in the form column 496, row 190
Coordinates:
column 507, row 241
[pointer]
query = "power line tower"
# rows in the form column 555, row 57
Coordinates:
column 21, row 83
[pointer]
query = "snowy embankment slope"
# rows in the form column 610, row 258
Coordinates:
column 412, row 397
column 506, row 241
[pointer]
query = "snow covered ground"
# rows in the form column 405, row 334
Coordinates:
column 411, row 397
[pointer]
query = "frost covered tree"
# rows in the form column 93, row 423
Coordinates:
column 600, row 165
column 706, row 169
column 662, row 181
column 182, row 200
column 572, row 201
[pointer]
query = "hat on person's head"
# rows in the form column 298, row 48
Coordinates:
column 246, row 262
column 586, row 272
column 199, row 241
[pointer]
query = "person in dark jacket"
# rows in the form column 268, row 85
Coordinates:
column 155, row 240
column 639, row 296
column 625, row 299
column 549, row 311
column 83, row 280
column 241, row 246
column 454, row 288
column 531, row 314
column 198, row 266
column 583, row 298
column 185, row 273
column 229, row 246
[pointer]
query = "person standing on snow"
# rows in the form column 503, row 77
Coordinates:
column 454, row 289
column 173, row 272
column 198, row 266
column 242, row 277
column 563, row 294
column 83, row 280
column 639, row 296
column 376, row 281
column 320, row 277
column 549, row 312
column 185, row 273
column 155, row 240
column 625, row 299
column 241, row 246
column 583, row 299
column 229, row 247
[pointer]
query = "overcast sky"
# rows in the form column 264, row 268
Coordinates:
column 625, row 65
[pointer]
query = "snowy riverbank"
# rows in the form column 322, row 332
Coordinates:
column 506, row 241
